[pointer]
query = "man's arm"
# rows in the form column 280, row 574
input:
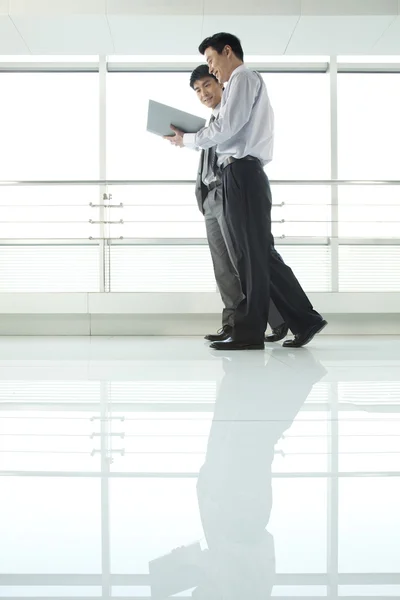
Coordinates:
column 233, row 116
column 177, row 139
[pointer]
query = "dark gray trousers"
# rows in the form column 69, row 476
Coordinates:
column 263, row 274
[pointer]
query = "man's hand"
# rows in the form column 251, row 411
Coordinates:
column 177, row 138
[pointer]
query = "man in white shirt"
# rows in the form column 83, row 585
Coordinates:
column 209, row 198
column 243, row 135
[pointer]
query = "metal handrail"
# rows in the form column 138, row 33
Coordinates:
column 117, row 182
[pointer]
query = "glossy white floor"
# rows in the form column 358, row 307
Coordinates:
column 273, row 473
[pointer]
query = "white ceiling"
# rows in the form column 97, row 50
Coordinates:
column 176, row 27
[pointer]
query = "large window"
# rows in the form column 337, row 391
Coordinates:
column 369, row 125
column 65, row 125
column 132, row 152
column 302, row 150
column 302, row 129
column 368, row 149
column 300, row 103
column 49, row 126
column 369, row 132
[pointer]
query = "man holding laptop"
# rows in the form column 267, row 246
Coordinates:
column 209, row 197
column 243, row 136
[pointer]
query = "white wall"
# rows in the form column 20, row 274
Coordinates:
column 176, row 314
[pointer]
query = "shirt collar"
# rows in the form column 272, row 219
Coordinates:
column 237, row 70
column 216, row 110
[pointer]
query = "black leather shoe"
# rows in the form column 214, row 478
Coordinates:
column 278, row 333
column 230, row 344
column 222, row 334
column 301, row 339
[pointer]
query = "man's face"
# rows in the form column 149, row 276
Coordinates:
column 218, row 64
column 208, row 91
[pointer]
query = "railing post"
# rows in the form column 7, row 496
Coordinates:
column 103, row 190
column 334, row 176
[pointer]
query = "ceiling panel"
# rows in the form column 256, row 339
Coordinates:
column 338, row 35
column 66, row 35
column 349, row 7
column 10, row 40
column 150, row 35
column 49, row 8
column 252, row 7
column 259, row 35
column 176, row 27
column 389, row 43
column 155, row 7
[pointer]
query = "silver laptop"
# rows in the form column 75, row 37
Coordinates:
column 161, row 116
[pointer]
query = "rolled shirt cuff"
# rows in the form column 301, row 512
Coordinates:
column 189, row 141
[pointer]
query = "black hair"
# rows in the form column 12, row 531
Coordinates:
column 200, row 72
column 218, row 41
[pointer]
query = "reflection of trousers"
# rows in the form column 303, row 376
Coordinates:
column 226, row 276
column 254, row 406
column 262, row 272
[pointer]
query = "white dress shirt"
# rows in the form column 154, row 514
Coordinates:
column 245, row 125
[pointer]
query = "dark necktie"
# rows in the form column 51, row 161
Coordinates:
column 210, row 156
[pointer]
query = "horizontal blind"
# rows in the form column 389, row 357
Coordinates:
column 318, row 395
column 369, row 268
column 189, row 268
column 310, row 264
column 49, row 268
column 47, row 392
column 160, row 269
column 152, row 392
column 372, row 393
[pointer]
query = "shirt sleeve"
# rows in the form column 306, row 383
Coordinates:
column 189, row 141
column 233, row 116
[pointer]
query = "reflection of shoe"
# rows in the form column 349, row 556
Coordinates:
column 222, row 334
column 301, row 360
column 230, row 344
column 301, row 339
column 176, row 572
column 278, row 333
